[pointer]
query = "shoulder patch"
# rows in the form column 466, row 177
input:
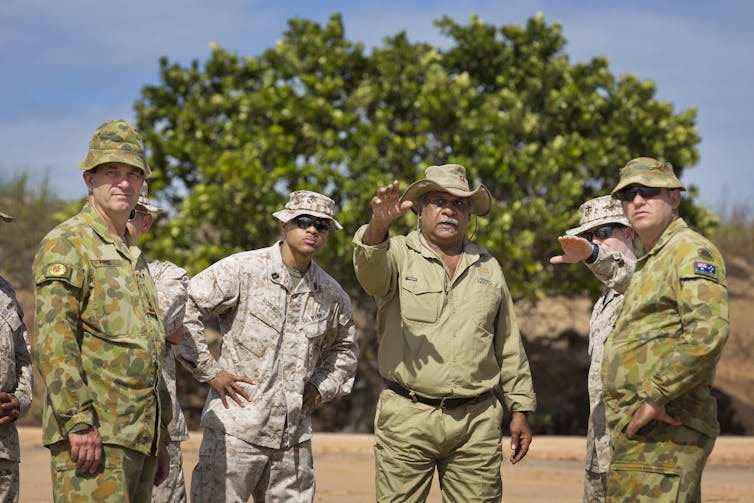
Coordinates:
column 705, row 269
column 706, row 254
column 58, row 271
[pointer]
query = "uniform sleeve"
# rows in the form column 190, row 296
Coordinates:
column 24, row 375
column 339, row 356
column 703, row 308
column 210, row 293
column 373, row 266
column 515, row 375
column 59, row 283
column 171, row 283
column 613, row 269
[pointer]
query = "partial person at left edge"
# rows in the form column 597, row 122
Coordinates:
column 15, row 385
column 100, row 337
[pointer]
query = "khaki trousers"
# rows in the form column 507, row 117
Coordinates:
column 463, row 444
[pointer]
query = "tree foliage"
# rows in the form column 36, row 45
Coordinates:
column 231, row 137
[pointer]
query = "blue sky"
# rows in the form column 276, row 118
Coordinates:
column 68, row 66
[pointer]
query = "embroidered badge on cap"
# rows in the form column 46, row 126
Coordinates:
column 57, row 270
column 705, row 269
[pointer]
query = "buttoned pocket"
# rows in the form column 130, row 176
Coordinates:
column 420, row 302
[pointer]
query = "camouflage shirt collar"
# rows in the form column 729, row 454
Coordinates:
column 309, row 281
column 92, row 218
column 670, row 231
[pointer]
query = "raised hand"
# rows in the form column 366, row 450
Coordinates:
column 575, row 249
column 386, row 207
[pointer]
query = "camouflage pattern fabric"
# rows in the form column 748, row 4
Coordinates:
column 277, row 334
column 116, row 141
column 665, row 347
column 9, row 481
column 173, row 488
column 99, row 337
column 425, row 316
column 15, row 366
column 124, row 476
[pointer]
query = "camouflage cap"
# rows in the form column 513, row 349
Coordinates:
column 306, row 202
column 144, row 203
column 648, row 172
column 597, row 212
column 449, row 178
column 5, row 217
column 116, row 141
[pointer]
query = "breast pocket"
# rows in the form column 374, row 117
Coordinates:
column 315, row 332
column 113, row 299
column 420, row 302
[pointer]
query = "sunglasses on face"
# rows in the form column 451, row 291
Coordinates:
column 305, row 221
column 132, row 216
column 629, row 193
column 602, row 232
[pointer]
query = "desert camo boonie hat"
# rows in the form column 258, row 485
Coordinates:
column 144, row 203
column 116, row 141
column 449, row 178
column 648, row 172
column 306, row 202
column 597, row 212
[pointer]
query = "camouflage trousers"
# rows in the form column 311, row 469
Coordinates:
column 661, row 463
column 123, row 476
column 463, row 444
column 173, row 488
column 8, row 481
column 595, row 486
column 232, row 470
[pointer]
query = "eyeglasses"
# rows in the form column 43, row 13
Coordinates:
column 132, row 215
column 602, row 232
column 305, row 221
column 629, row 193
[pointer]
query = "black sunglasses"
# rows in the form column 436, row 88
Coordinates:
column 602, row 232
column 305, row 221
column 629, row 193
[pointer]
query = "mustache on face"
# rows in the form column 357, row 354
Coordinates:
column 447, row 220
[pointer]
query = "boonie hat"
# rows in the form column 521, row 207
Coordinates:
column 144, row 201
column 116, row 141
column 306, row 202
column 597, row 212
column 648, row 172
column 5, row 217
column 449, row 178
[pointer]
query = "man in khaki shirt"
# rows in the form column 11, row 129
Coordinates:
column 449, row 347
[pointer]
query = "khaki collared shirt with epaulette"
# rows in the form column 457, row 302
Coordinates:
column 670, row 333
column 99, row 337
column 15, row 366
column 441, row 336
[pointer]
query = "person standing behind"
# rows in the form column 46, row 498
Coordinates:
column 604, row 241
column 16, row 381
column 171, row 283
column 289, row 340
column 100, row 337
column 449, row 346
column 660, row 360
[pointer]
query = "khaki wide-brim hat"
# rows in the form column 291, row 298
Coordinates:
column 449, row 178
column 598, row 212
column 648, row 172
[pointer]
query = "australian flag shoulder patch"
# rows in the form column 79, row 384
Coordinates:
column 705, row 269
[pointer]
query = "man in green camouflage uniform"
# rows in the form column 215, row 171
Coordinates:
column 100, row 337
column 603, row 240
column 449, row 351
column 171, row 283
column 15, row 385
column 660, row 360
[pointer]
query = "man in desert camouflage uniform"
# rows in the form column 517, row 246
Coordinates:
column 15, row 385
column 603, row 240
column 100, row 337
column 287, row 329
column 450, row 351
column 171, row 283
column 660, row 360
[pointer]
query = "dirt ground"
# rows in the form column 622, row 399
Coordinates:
column 552, row 471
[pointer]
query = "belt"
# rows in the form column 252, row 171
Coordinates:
column 443, row 403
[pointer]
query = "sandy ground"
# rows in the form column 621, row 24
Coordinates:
column 552, row 471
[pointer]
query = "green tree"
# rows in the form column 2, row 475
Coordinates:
column 229, row 138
